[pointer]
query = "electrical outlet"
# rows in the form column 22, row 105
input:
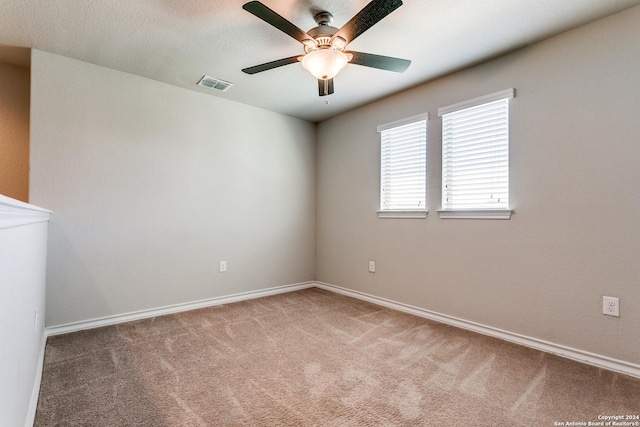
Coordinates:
column 223, row 266
column 372, row 266
column 35, row 327
column 611, row 306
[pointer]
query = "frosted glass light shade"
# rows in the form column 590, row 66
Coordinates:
column 324, row 64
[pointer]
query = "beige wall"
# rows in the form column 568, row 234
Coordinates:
column 152, row 185
column 575, row 235
column 14, row 131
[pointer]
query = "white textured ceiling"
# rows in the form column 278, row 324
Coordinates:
column 178, row 41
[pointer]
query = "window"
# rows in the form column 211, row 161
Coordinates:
column 475, row 157
column 403, row 168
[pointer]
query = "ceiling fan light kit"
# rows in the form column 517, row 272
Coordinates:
column 324, row 45
column 324, row 64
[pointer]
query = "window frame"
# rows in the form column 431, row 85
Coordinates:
column 403, row 213
column 476, row 213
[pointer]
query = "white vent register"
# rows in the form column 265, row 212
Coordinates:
column 213, row 83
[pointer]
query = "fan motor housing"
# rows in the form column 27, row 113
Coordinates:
column 323, row 32
column 322, row 35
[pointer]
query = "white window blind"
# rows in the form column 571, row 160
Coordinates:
column 475, row 154
column 403, row 173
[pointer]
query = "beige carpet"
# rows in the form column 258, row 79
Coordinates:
column 314, row 358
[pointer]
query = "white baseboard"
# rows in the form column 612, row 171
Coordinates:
column 35, row 391
column 593, row 359
column 171, row 309
column 597, row 360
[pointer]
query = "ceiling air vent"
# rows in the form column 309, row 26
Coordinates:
column 213, row 83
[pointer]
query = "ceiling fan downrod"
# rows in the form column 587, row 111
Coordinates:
column 323, row 18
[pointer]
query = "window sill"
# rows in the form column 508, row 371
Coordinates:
column 476, row 214
column 402, row 214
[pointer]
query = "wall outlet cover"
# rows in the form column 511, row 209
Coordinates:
column 611, row 306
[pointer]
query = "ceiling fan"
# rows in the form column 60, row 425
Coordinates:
column 324, row 45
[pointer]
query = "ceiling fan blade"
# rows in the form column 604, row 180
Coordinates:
column 270, row 65
column 270, row 17
column 325, row 87
column 378, row 61
column 370, row 15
